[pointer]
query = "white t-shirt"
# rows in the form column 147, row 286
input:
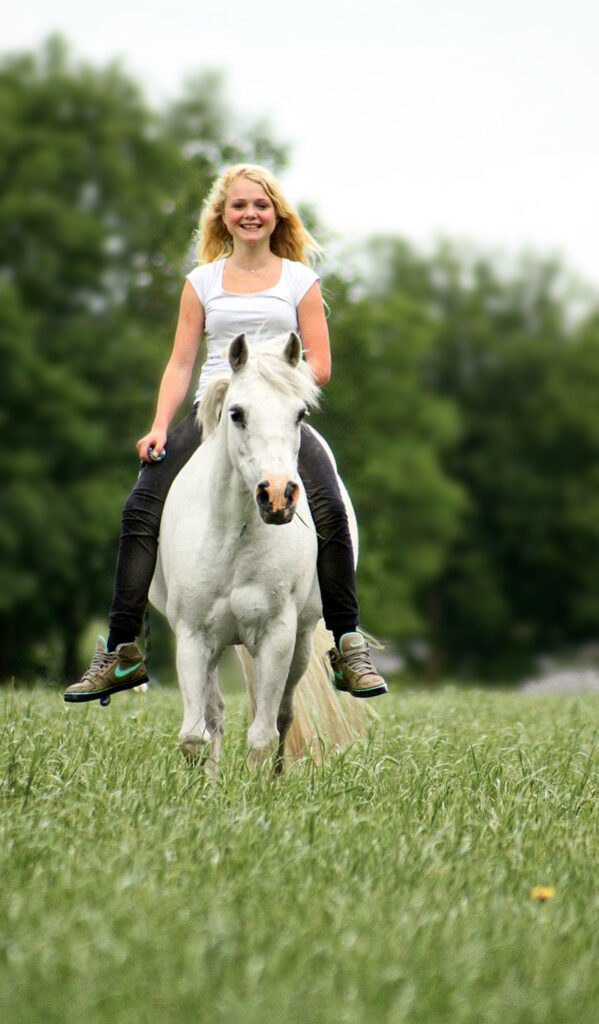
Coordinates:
column 260, row 315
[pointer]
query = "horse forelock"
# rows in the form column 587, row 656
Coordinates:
column 292, row 380
column 266, row 365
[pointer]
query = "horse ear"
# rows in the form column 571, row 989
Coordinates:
column 293, row 349
column 238, row 352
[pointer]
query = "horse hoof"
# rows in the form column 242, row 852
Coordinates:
column 195, row 750
column 259, row 756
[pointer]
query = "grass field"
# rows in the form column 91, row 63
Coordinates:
column 391, row 885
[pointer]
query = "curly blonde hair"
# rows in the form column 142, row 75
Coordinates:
column 290, row 239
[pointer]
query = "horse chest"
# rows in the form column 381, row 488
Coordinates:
column 252, row 602
column 252, row 582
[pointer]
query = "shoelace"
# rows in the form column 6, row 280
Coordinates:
column 360, row 662
column 99, row 661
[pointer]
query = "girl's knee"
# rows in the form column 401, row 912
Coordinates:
column 328, row 509
column 142, row 506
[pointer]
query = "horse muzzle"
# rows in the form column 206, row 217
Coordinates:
column 277, row 501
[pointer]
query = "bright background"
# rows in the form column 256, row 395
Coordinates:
column 470, row 120
column 469, row 372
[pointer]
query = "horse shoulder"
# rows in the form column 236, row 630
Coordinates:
column 184, row 518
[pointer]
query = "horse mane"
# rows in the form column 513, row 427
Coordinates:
column 276, row 371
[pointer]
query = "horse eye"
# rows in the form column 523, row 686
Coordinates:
column 302, row 415
column 237, row 415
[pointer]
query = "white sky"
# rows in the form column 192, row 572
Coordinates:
column 473, row 119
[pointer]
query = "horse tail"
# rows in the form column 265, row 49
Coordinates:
column 325, row 719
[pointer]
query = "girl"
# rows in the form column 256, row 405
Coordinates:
column 253, row 276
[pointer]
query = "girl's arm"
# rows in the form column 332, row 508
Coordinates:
column 315, row 334
column 177, row 375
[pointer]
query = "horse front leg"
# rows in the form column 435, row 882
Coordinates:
column 193, row 674
column 215, row 720
column 272, row 661
column 299, row 664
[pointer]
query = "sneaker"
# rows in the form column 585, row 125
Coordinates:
column 353, row 670
column 109, row 672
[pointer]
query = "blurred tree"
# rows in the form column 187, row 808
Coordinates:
column 99, row 197
column 462, row 407
column 463, row 413
column 389, row 435
column 521, row 577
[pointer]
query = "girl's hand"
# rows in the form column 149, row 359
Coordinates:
column 155, row 439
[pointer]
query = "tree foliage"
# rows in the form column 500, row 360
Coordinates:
column 100, row 195
column 462, row 407
column 389, row 435
column 520, row 579
column 464, row 411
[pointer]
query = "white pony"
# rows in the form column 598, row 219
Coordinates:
column 227, row 572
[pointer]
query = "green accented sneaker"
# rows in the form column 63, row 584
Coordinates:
column 353, row 670
column 109, row 672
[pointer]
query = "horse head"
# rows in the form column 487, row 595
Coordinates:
column 267, row 401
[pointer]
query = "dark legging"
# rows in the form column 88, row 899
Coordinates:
column 141, row 524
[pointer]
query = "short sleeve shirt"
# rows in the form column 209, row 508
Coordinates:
column 260, row 315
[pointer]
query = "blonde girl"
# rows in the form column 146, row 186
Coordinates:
column 253, row 276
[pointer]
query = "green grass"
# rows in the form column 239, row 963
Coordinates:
column 392, row 885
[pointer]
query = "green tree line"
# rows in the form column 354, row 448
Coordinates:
column 476, row 470
column 461, row 410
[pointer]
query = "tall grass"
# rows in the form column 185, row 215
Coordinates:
column 392, row 884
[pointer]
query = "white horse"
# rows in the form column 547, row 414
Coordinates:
column 228, row 573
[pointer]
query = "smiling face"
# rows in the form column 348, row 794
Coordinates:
column 249, row 215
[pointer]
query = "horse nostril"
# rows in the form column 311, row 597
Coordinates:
column 262, row 495
column 291, row 492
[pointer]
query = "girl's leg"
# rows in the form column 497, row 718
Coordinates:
column 118, row 664
column 138, row 545
column 335, row 562
column 352, row 664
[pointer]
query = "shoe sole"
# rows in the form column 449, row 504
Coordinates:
column 374, row 691
column 82, row 698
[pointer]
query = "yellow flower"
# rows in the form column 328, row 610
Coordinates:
column 542, row 892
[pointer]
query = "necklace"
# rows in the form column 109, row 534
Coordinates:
column 254, row 270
